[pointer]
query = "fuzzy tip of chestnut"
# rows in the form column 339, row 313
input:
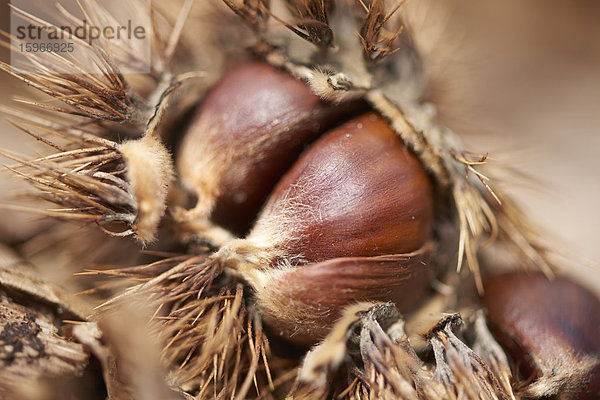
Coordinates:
column 550, row 328
column 149, row 172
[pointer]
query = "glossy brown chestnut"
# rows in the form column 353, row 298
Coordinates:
column 551, row 329
column 248, row 130
column 349, row 222
column 358, row 191
column 301, row 305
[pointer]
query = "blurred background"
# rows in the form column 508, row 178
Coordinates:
column 518, row 79
column 521, row 80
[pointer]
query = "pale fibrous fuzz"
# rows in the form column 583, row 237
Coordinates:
column 120, row 187
column 149, row 173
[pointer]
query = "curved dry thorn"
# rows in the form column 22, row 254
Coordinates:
column 254, row 12
column 376, row 40
column 470, row 164
column 106, row 96
column 311, row 22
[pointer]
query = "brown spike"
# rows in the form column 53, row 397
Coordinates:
column 377, row 41
column 312, row 22
column 254, row 12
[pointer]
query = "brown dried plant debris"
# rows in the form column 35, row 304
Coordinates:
column 42, row 357
column 311, row 22
column 31, row 349
column 490, row 351
column 17, row 275
column 486, row 215
column 87, row 183
column 96, row 175
column 213, row 339
column 460, row 367
column 105, row 97
column 34, row 358
column 377, row 41
column 129, row 355
column 120, row 187
column 370, row 341
column 254, row 12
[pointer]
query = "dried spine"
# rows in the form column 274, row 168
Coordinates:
column 95, row 176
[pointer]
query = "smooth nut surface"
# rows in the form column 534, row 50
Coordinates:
column 545, row 325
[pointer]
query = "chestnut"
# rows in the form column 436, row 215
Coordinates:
column 248, row 129
column 358, row 191
column 550, row 329
column 350, row 221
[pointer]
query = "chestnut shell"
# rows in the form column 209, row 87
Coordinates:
column 358, row 192
column 248, row 130
column 539, row 321
column 351, row 221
